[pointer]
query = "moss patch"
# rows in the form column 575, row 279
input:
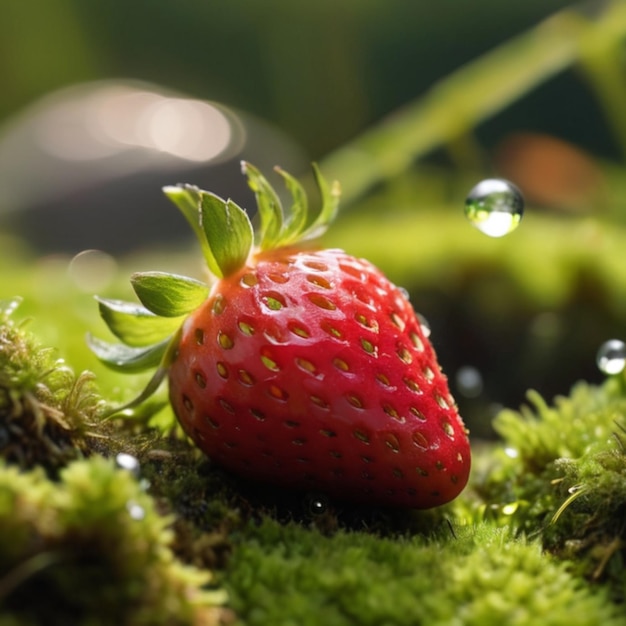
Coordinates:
column 480, row 575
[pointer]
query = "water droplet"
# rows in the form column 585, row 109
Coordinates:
column 469, row 381
column 127, row 462
column 92, row 270
column 7, row 307
column 424, row 325
column 136, row 511
column 495, row 206
column 512, row 453
column 317, row 504
column 509, row 509
column 611, row 357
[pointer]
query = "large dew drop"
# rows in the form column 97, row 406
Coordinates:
column 495, row 206
column 611, row 357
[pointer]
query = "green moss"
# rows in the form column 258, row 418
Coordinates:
column 562, row 476
column 480, row 575
column 92, row 549
column 557, row 478
column 45, row 409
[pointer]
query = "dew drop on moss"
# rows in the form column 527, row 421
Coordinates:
column 135, row 510
column 611, row 357
column 127, row 462
column 495, row 206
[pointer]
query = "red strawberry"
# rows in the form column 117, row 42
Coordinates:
column 305, row 369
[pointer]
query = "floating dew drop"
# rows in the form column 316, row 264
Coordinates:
column 469, row 381
column 611, row 357
column 495, row 206
column 317, row 504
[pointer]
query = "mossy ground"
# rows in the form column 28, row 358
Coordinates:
column 537, row 537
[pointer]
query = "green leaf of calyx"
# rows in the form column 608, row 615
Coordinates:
column 228, row 231
column 166, row 353
column 270, row 210
column 330, row 205
column 168, row 295
column 126, row 359
column 134, row 325
column 188, row 198
column 298, row 214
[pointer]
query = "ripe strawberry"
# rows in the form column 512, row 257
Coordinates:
column 302, row 368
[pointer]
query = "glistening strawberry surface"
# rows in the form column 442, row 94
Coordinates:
column 304, row 369
column 310, row 370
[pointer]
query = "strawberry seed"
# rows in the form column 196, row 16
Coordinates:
column 340, row 364
column 361, row 436
column 328, row 433
column 321, row 301
column 306, row 366
column 246, row 378
column 269, row 363
column 319, row 281
column 249, row 280
column 245, row 328
column 225, row 341
column 281, row 279
column 392, row 443
column 298, row 330
column 420, row 440
column 276, row 392
column 219, row 304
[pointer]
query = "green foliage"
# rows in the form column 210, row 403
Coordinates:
column 563, row 474
column 226, row 238
column 290, row 574
column 228, row 231
column 135, row 325
column 45, row 408
column 92, row 549
column 168, row 295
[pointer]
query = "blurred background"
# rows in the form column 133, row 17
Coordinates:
column 409, row 105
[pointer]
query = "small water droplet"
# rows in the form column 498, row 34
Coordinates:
column 469, row 381
column 92, row 270
column 127, row 462
column 8, row 306
column 424, row 325
column 611, row 357
column 495, row 206
column 317, row 504
column 509, row 509
column 512, row 453
column 135, row 510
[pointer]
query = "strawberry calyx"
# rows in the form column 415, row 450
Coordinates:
column 149, row 332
